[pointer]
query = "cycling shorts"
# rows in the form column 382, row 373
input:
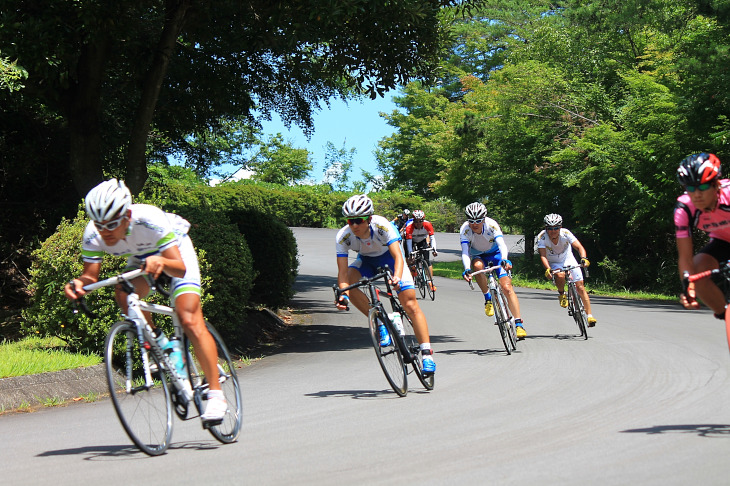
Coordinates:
column 368, row 266
column 570, row 261
column 490, row 260
column 718, row 249
column 188, row 283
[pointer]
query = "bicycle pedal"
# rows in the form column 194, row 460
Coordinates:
column 211, row 423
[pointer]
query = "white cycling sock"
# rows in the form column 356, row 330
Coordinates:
column 215, row 394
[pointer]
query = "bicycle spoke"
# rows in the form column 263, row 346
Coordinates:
column 389, row 357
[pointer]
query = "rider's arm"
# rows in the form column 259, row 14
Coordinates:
column 395, row 252
column 169, row 261
column 409, row 246
column 685, row 249
column 342, row 264
column 465, row 258
column 89, row 275
column 502, row 247
column 579, row 248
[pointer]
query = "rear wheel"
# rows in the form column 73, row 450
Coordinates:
column 389, row 356
column 143, row 408
column 414, row 350
column 579, row 312
column 227, row 431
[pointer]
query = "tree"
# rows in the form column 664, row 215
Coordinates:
column 337, row 166
column 120, row 71
column 279, row 162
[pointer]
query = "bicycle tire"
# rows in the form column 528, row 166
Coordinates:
column 501, row 321
column 389, row 357
column 429, row 286
column 145, row 413
column 413, row 351
column 727, row 327
column 579, row 312
column 510, row 322
column 229, row 429
column 421, row 277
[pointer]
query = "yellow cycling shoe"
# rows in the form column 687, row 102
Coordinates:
column 520, row 332
column 489, row 308
column 591, row 321
column 563, row 300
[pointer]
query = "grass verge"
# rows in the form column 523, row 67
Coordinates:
column 455, row 269
column 35, row 355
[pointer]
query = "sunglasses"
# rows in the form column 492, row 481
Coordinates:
column 701, row 187
column 111, row 225
column 475, row 221
column 552, row 228
column 355, row 221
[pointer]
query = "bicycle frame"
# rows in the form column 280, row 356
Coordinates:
column 502, row 314
column 575, row 309
column 723, row 271
column 135, row 308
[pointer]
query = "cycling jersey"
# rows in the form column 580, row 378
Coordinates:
column 560, row 254
column 716, row 222
column 488, row 245
column 151, row 231
column 417, row 236
column 372, row 252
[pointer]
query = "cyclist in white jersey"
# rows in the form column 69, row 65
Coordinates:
column 555, row 245
column 482, row 245
column 377, row 243
column 146, row 234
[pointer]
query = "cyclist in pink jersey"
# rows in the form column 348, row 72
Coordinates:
column 706, row 206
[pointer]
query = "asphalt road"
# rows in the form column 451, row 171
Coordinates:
column 645, row 400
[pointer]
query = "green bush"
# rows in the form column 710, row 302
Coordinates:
column 274, row 251
column 54, row 263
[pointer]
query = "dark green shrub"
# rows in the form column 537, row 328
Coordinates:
column 274, row 251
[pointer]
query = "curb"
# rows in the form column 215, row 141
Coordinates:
column 66, row 384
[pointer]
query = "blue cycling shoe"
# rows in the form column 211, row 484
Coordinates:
column 384, row 336
column 428, row 366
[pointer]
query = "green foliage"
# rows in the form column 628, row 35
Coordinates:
column 55, row 262
column 278, row 162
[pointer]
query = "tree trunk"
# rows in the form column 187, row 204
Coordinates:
column 82, row 104
column 175, row 15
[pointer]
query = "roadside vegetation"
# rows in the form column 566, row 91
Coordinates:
column 34, row 355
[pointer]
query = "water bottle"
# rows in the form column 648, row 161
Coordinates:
column 177, row 357
column 395, row 317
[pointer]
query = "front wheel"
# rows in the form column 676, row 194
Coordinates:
column 421, row 278
column 579, row 312
column 143, row 405
column 228, row 430
column 429, row 285
column 502, row 320
column 389, row 356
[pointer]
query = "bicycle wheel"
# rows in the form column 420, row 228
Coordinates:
column 228, row 430
column 389, row 357
column 413, row 351
column 510, row 322
column 421, row 278
column 429, row 285
column 579, row 312
column 144, row 411
column 502, row 321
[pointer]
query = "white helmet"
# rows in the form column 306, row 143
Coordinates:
column 107, row 200
column 476, row 210
column 358, row 206
column 553, row 219
column 418, row 214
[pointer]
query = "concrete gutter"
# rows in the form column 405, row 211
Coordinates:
column 64, row 385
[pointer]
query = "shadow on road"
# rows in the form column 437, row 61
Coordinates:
column 95, row 453
column 703, row 430
column 360, row 394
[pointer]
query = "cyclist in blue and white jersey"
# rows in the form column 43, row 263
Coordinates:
column 482, row 245
column 377, row 243
column 145, row 233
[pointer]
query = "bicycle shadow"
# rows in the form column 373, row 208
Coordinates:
column 702, row 430
column 124, row 452
column 475, row 352
column 360, row 394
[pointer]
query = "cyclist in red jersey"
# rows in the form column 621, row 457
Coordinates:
column 706, row 206
column 419, row 234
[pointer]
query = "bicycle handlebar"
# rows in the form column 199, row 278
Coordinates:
column 382, row 272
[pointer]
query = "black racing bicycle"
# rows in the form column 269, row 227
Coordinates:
column 422, row 278
column 576, row 309
column 404, row 348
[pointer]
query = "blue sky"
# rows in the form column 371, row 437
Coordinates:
column 357, row 124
